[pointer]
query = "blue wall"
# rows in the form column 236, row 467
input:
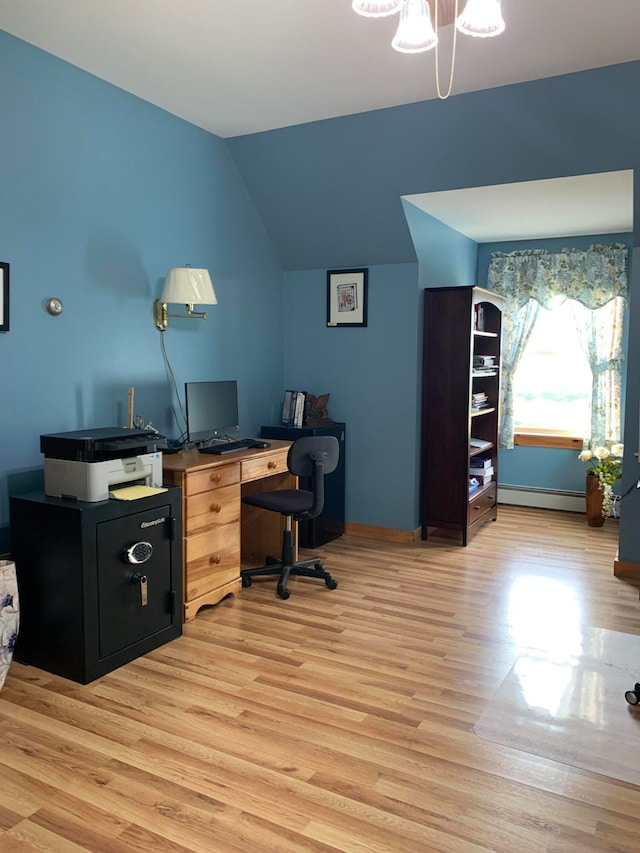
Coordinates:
column 100, row 194
column 370, row 374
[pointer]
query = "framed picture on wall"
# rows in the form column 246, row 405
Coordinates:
column 4, row 297
column 347, row 297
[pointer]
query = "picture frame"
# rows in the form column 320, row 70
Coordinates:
column 347, row 298
column 4, row 297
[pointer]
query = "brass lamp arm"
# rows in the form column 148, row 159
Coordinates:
column 162, row 314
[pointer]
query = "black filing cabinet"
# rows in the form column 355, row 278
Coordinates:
column 330, row 523
column 100, row 583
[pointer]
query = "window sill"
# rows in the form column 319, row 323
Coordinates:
column 548, row 439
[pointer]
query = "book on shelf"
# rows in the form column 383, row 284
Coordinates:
column 483, row 479
column 484, row 361
column 293, row 408
column 481, row 462
column 286, row 408
column 479, row 444
column 298, row 416
column 473, row 484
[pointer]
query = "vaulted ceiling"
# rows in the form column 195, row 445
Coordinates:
column 239, row 66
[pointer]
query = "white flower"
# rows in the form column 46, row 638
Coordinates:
column 617, row 449
column 602, row 452
column 8, row 633
column 585, row 455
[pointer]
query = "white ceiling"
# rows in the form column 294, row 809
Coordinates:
column 239, row 66
column 561, row 207
column 235, row 67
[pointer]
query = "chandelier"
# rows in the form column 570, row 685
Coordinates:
column 417, row 32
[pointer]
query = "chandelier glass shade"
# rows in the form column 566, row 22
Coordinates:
column 415, row 31
column 481, row 18
column 379, row 9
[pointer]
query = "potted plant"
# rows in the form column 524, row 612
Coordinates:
column 604, row 471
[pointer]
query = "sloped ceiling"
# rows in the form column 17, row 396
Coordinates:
column 240, row 66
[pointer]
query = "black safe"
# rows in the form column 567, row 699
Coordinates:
column 330, row 523
column 100, row 583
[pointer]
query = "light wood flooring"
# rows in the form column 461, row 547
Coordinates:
column 335, row 721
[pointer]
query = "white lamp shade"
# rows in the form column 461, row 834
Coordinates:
column 377, row 8
column 188, row 286
column 481, row 18
column 415, row 31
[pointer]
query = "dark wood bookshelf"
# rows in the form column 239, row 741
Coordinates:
column 451, row 340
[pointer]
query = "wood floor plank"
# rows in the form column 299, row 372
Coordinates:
column 335, row 721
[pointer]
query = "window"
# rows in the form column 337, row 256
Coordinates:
column 553, row 380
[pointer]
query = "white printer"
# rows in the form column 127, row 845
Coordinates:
column 88, row 464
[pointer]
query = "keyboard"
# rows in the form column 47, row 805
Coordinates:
column 232, row 446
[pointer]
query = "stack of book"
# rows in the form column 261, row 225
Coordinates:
column 484, row 365
column 479, row 400
column 481, row 469
column 293, row 408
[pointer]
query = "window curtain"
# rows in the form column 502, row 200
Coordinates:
column 594, row 277
column 600, row 334
column 516, row 331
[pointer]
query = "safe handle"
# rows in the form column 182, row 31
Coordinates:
column 142, row 580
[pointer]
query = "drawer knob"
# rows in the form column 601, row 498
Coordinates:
column 215, row 508
column 215, row 478
column 272, row 465
column 214, row 559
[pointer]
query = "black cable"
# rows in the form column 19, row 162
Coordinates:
column 170, row 373
column 629, row 490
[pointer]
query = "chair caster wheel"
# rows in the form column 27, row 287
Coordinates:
column 246, row 582
column 284, row 593
column 331, row 583
column 633, row 696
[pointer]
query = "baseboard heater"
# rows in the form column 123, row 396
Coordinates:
column 542, row 498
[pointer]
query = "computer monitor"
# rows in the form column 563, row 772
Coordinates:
column 212, row 409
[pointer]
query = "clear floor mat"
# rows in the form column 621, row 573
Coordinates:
column 572, row 708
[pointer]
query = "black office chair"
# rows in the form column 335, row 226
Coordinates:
column 312, row 456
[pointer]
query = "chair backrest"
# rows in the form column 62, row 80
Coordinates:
column 314, row 456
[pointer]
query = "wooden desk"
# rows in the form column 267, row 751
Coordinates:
column 219, row 532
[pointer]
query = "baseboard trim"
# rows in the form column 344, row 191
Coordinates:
column 381, row 534
column 541, row 498
column 625, row 568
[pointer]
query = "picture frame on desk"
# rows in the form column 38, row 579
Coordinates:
column 4, row 297
column 347, row 297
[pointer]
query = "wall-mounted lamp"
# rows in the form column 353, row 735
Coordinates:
column 186, row 286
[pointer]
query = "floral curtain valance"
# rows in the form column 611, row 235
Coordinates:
column 593, row 276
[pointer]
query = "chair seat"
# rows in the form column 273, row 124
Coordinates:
column 285, row 501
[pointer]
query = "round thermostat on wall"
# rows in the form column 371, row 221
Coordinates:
column 54, row 306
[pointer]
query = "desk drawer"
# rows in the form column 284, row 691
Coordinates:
column 480, row 503
column 264, row 466
column 211, row 478
column 212, row 559
column 214, row 507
